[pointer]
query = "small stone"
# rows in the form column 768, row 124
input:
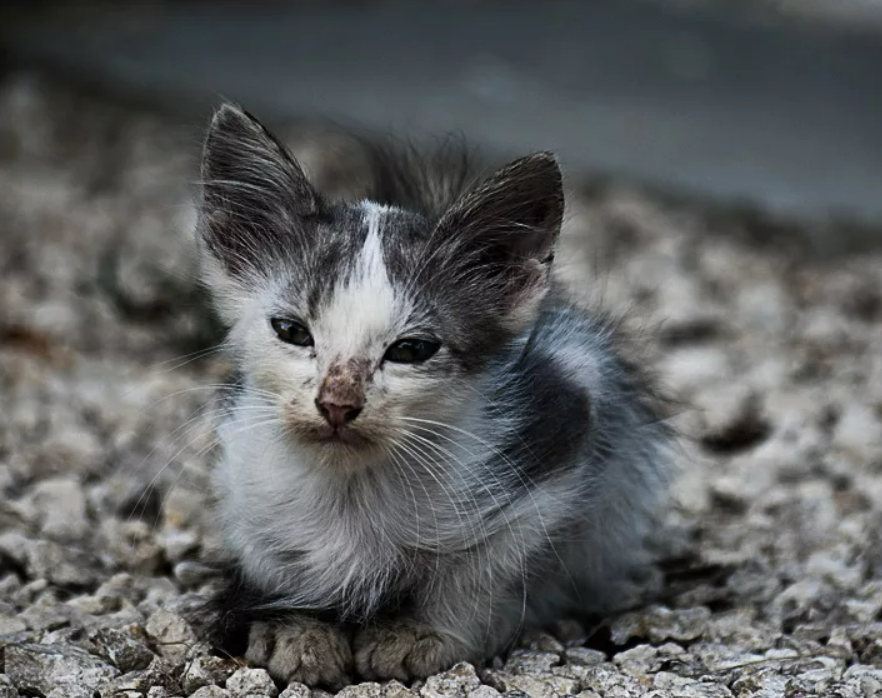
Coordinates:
column 764, row 305
column 7, row 689
column 62, row 565
column 639, row 661
column 725, row 409
column 299, row 690
column 251, row 681
column 669, row 681
column 122, row 648
column 530, row 686
column 395, row 689
column 211, row 692
column 60, row 504
column 11, row 624
column 157, row 692
column 70, row 447
column 46, row 613
column 685, row 369
column 95, row 604
column 531, row 662
column 483, row 692
column 70, row 692
column 160, row 592
column 858, row 432
column 606, row 680
column 29, row 592
column 183, row 508
column 119, row 586
column 161, row 672
column 717, row 657
column 132, row 544
column 9, row 584
column 179, row 543
column 172, row 634
column 584, row 656
column 47, row 560
column 701, row 689
column 866, row 674
column 41, row 668
column 208, row 671
column 126, row 616
column 366, row 689
column 872, row 653
column 542, row 686
column 659, row 624
column 454, row 683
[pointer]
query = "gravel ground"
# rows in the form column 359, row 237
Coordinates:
column 104, row 444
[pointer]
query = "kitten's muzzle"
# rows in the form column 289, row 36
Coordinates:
column 341, row 396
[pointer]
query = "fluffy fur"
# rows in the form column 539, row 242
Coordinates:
column 507, row 480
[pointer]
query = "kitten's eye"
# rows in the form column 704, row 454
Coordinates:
column 411, row 351
column 292, row 332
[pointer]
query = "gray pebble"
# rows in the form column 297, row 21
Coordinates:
column 44, row 667
column 211, row 692
column 454, row 683
column 173, row 636
column 245, row 682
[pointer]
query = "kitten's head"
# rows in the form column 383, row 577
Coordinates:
column 357, row 320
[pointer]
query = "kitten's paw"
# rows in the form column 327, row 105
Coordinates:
column 403, row 650
column 301, row 649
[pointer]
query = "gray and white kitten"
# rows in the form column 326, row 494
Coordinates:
column 427, row 448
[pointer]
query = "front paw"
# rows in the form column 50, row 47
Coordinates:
column 403, row 650
column 301, row 649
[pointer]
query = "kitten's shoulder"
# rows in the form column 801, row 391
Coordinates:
column 602, row 351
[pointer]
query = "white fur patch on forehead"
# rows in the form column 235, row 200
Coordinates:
column 364, row 307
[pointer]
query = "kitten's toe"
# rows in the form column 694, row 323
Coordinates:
column 261, row 639
column 403, row 651
column 303, row 650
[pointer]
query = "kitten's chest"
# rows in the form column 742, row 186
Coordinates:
column 320, row 540
column 323, row 548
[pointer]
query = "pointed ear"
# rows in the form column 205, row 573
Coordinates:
column 255, row 196
column 506, row 228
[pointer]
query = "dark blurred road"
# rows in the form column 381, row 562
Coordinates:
column 787, row 118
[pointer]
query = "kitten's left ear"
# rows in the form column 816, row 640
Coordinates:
column 506, row 229
column 256, row 207
column 255, row 194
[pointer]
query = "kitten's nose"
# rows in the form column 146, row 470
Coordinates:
column 337, row 415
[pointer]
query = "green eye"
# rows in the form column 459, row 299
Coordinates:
column 411, row 351
column 292, row 332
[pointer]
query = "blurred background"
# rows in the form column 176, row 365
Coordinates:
column 772, row 105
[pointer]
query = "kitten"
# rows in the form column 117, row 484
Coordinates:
column 427, row 448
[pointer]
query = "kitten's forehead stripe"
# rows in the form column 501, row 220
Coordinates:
column 372, row 257
column 363, row 306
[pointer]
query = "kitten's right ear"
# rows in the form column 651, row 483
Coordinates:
column 255, row 197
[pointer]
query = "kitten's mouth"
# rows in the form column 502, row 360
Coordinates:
column 345, row 435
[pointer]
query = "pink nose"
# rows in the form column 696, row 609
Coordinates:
column 337, row 415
